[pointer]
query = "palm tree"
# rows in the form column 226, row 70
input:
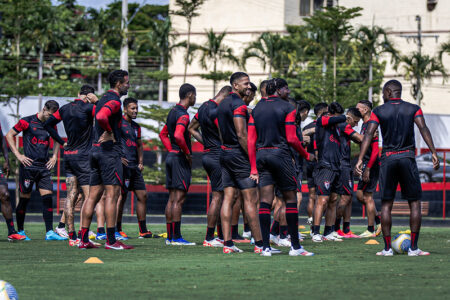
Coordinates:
column 371, row 43
column 268, row 49
column 188, row 10
column 212, row 52
column 444, row 48
column 417, row 67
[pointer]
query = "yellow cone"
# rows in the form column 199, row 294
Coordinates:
column 407, row 231
column 301, row 227
column 93, row 260
column 372, row 242
column 163, row 235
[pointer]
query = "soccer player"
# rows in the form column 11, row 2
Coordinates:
column 105, row 159
column 35, row 166
column 327, row 171
column 344, row 206
column 367, row 185
column 78, row 118
column 232, row 117
column 206, row 121
column 396, row 119
column 177, row 140
column 272, row 131
column 4, row 194
column 133, row 164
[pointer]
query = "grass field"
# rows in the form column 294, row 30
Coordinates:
column 347, row 270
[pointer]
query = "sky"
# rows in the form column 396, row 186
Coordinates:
column 104, row 3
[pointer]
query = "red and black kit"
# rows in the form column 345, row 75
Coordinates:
column 346, row 132
column 372, row 161
column 310, row 165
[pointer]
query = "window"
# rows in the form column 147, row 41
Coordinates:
column 306, row 5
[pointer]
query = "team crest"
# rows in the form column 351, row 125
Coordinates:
column 27, row 183
column 127, row 182
column 327, row 184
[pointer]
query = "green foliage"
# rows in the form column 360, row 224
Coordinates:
column 217, row 76
column 159, row 75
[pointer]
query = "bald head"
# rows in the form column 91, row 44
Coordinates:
column 392, row 89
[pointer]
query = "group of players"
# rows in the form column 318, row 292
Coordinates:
column 253, row 157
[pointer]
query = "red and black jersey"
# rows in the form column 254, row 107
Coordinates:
column 310, row 147
column 371, row 158
column 396, row 119
column 108, row 117
column 231, row 107
column 36, row 140
column 78, row 120
column 345, row 134
column 131, row 134
column 175, row 135
column 207, row 117
column 327, row 141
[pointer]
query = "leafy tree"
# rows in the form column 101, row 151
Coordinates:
column 444, row 48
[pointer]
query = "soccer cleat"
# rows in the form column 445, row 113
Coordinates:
column 182, row 242
column 22, row 232
column 88, row 245
column 417, row 252
column 367, row 234
column 168, row 242
column 378, row 232
column 274, row 239
column 52, row 236
column 309, row 221
column 300, row 252
column 275, row 251
column 232, row 249
column 62, row 232
column 74, row 243
column 145, row 235
column 385, row 253
column 266, row 252
column 258, row 250
column 301, row 236
column 247, row 234
column 119, row 237
column 215, row 243
column 331, row 237
column 100, row 236
column 284, row 243
column 317, row 238
column 118, row 245
column 123, row 234
column 351, row 235
column 16, row 237
column 341, row 233
column 92, row 235
column 237, row 237
column 311, row 234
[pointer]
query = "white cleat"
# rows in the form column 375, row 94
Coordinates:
column 275, row 251
column 62, row 232
column 232, row 249
column 284, row 243
column 332, row 238
column 311, row 234
column 266, row 252
column 300, row 252
column 247, row 234
column 215, row 243
column 309, row 221
column 317, row 238
column 274, row 239
column 386, row 253
column 417, row 252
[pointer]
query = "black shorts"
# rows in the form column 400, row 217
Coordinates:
column 178, row 172
column 79, row 168
column 3, row 180
column 278, row 192
column 132, row 179
column 310, row 166
column 211, row 163
column 403, row 171
column 327, row 181
column 106, row 167
column 275, row 166
column 236, row 169
column 371, row 186
column 38, row 175
column 346, row 185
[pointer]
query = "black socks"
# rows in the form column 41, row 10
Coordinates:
column 292, row 221
column 20, row 212
column 142, row 226
column 47, row 211
column 264, row 221
column 111, row 235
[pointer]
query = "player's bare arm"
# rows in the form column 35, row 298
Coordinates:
column 365, row 144
column 194, row 130
column 52, row 161
column 241, row 131
column 140, row 153
column 26, row 161
column 426, row 135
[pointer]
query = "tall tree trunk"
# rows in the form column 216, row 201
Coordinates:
column 18, row 99
column 40, row 74
column 214, row 81
column 124, row 47
column 188, row 48
column 370, row 80
column 161, row 82
column 99, row 67
column 334, row 69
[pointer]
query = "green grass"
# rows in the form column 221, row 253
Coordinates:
column 347, row 270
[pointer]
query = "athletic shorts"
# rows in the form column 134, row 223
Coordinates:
column 401, row 171
column 278, row 192
column 132, row 179
column 310, row 166
column 275, row 166
column 178, row 172
column 211, row 163
column 327, row 181
column 79, row 168
column 371, row 186
column 3, row 180
column 346, row 178
column 38, row 175
column 106, row 167
column 236, row 169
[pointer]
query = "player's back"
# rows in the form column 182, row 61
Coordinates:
column 111, row 100
column 231, row 107
column 178, row 115
column 207, row 117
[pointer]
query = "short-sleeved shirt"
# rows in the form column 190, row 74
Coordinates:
column 231, row 107
column 310, row 147
column 207, row 117
column 36, row 140
column 369, row 151
column 178, row 115
column 110, row 100
column 396, row 119
column 346, row 133
column 328, row 143
column 131, row 134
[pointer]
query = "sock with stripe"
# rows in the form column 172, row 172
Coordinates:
column 283, row 232
column 85, row 234
column 20, row 212
column 275, row 229
column 387, row 242
column 142, row 226
column 111, row 235
column 73, row 235
column 10, row 224
column 169, row 231
column 47, row 211
column 264, row 221
column 292, row 221
column 414, row 239
column 337, row 224
column 346, row 227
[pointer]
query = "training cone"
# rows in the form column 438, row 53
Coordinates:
column 407, row 231
column 163, row 235
column 372, row 242
column 301, row 227
column 93, row 260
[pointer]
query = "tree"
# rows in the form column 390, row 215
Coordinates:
column 189, row 10
column 268, row 49
column 444, row 48
column 371, row 42
column 212, row 52
column 417, row 67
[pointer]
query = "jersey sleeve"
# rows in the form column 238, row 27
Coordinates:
column 291, row 134
column 196, row 116
column 22, row 125
column 374, row 154
column 251, row 145
column 374, row 118
column 50, row 126
column 138, row 132
column 239, row 109
column 110, row 108
column 325, row 121
column 418, row 113
column 349, row 131
column 182, row 123
column 164, row 137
